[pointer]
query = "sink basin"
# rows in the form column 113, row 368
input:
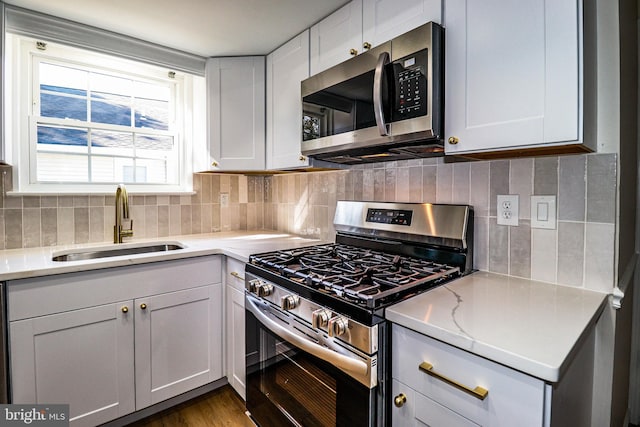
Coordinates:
column 105, row 252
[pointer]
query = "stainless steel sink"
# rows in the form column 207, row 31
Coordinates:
column 95, row 253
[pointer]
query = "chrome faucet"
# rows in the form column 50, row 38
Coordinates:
column 122, row 213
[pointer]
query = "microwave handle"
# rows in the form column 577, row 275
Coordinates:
column 383, row 60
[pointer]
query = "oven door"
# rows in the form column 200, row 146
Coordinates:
column 293, row 380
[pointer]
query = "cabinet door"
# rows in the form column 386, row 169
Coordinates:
column 513, row 74
column 236, row 106
column 62, row 357
column 286, row 68
column 235, row 326
column 336, row 38
column 178, row 339
column 383, row 20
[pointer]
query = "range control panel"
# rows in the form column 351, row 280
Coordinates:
column 390, row 216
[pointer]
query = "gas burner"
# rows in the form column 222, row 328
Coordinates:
column 359, row 275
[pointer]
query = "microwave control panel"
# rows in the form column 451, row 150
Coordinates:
column 410, row 86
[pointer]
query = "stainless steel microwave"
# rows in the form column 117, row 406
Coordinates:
column 384, row 104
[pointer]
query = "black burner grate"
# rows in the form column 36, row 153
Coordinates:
column 364, row 276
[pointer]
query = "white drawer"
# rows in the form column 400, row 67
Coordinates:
column 235, row 274
column 513, row 398
column 417, row 410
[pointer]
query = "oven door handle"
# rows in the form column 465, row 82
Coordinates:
column 341, row 361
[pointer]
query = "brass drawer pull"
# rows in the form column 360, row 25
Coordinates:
column 236, row 275
column 143, row 306
column 478, row 392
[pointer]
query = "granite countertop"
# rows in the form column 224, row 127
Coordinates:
column 530, row 326
column 35, row 262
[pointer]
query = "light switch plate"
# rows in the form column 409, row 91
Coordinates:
column 508, row 209
column 543, row 212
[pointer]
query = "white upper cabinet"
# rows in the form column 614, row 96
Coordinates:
column 383, row 20
column 513, row 75
column 287, row 66
column 336, row 38
column 236, row 111
column 363, row 24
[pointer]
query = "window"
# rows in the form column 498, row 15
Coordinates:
column 88, row 121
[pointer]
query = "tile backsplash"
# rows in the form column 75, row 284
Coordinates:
column 579, row 252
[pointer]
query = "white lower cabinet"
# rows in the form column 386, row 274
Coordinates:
column 113, row 341
column 177, row 342
column 83, row 358
column 513, row 399
column 235, row 326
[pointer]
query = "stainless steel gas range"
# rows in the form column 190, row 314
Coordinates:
column 317, row 343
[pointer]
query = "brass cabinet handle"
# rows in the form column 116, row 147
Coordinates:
column 366, row 45
column 302, row 158
column 400, row 400
column 453, row 140
column 236, row 275
column 125, row 309
column 214, row 164
column 478, row 392
column 143, row 306
column 353, row 52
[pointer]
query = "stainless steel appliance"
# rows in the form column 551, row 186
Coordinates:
column 384, row 104
column 317, row 343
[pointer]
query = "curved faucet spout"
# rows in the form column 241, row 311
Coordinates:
column 122, row 213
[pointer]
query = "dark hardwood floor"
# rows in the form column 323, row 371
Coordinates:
column 221, row 407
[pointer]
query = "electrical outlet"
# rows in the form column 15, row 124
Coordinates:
column 508, row 209
column 224, row 200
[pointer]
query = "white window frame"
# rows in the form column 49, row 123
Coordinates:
column 21, row 124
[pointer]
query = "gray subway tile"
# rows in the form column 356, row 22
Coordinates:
column 498, row 247
column 444, row 183
column 415, row 184
column 571, row 188
column 390, row 184
column 151, row 221
column 543, row 255
column 185, row 219
column 479, row 187
column 66, row 227
column 402, row 187
column 81, row 224
column 520, row 250
column 460, row 188
column 498, row 182
column 31, row 202
column 521, row 183
column 13, row 228
column 378, row 185
column 429, row 178
column 96, row 224
column 545, row 180
column 31, row 228
column 481, row 243
column 601, row 188
column 599, row 257
column 571, row 253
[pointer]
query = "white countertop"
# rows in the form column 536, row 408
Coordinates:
column 530, row 326
column 34, row 262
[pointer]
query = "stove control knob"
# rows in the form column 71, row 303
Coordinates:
column 253, row 285
column 337, row 326
column 320, row 318
column 264, row 289
column 289, row 302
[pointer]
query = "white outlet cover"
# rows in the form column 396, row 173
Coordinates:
column 543, row 212
column 508, row 209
